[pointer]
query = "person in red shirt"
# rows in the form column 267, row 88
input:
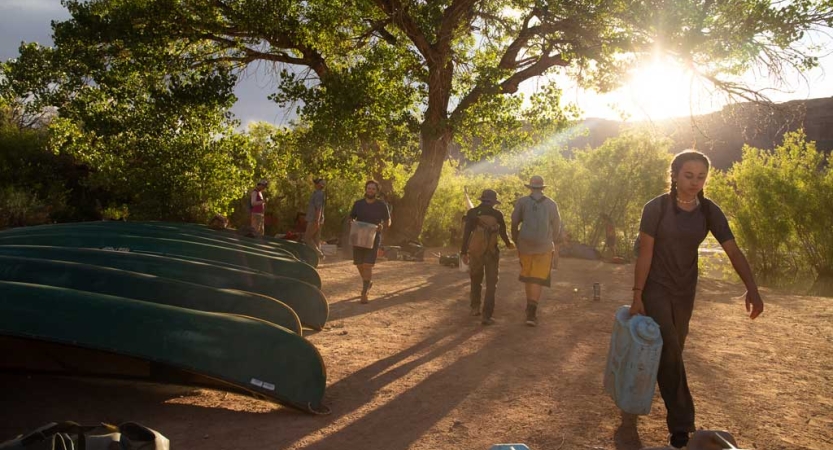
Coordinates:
column 258, row 207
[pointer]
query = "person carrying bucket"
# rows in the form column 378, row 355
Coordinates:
column 479, row 251
column 536, row 229
column 665, row 276
column 369, row 210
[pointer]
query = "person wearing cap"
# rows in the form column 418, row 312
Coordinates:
column 315, row 217
column 536, row 226
column 257, row 207
column 483, row 224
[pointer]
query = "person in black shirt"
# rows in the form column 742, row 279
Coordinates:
column 369, row 210
column 482, row 226
column 665, row 276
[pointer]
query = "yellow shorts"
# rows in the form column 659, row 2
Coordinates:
column 536, row 268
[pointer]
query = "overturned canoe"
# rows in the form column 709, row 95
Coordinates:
column 113, row 336
column 308, row 302
column 138, row 229
column 281, row 266
column 300, row 250
column 188, row 231
column 149, row 288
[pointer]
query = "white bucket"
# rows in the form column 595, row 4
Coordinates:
column 329, row 249
column 463, row 266
column 362, row 234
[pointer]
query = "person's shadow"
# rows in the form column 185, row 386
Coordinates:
column 626, row 437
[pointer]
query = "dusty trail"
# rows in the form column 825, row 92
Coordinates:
column 411, row 370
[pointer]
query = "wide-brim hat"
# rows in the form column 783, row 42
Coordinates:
column 536, row 182
column 489, row 196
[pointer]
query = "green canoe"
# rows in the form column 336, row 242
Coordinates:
column 308, row 302
column 132, row 229
column 104, row 335
column 188, row 231
column 170, row 247
column 301, row 250
column 149, row 288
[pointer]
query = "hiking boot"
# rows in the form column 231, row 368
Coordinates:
column 531, row 320
column 475, row 311
column 678, row 439
column 487, row 321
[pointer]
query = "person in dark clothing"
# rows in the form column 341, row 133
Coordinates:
column 665, row 276
column 610, row 234
column 369, row 210
column 315, row 217
column 483, row 224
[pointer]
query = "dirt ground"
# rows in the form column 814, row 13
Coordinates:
column 412, row 370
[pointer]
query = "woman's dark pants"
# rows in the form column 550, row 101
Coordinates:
column 672, row 312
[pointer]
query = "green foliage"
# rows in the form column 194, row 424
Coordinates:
column 444, row 215
column 151, row 130
column 143, row 87
column 778, row 202
column 121, row 212
column 278, row 156
column 616, row 179
column 32, row 179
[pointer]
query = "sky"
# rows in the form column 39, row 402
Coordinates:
column 656, row 91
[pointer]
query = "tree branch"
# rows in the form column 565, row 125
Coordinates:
column 311, row 58
column 509, row 85
column 452, row 16
column 400, row 17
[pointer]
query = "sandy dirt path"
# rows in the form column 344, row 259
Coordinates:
column 412, row 370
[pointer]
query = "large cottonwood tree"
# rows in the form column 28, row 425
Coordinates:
column 363, row 74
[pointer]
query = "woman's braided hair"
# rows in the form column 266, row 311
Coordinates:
column 677, row 165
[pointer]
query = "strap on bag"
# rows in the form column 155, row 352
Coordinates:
column 72, row 436
column 60, row 432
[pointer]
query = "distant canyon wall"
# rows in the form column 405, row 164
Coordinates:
column 722, row 135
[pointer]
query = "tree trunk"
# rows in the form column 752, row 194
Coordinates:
column 409, row 214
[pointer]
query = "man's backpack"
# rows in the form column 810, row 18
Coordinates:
column 484, row 236
column 72, row 436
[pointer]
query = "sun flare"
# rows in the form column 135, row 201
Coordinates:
column 659, row 90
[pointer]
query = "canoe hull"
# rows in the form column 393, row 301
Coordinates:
column 187, row 231
column 170, row 247
column 308, row 302
column 252, row 355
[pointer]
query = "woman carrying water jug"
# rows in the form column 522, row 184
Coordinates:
column 665, row 276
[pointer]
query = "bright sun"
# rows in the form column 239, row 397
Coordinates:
column 658, row 90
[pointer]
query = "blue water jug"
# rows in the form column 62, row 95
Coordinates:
column 509, row 447
column 632, row 362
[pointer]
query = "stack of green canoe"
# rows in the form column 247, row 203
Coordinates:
column 162, row 301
